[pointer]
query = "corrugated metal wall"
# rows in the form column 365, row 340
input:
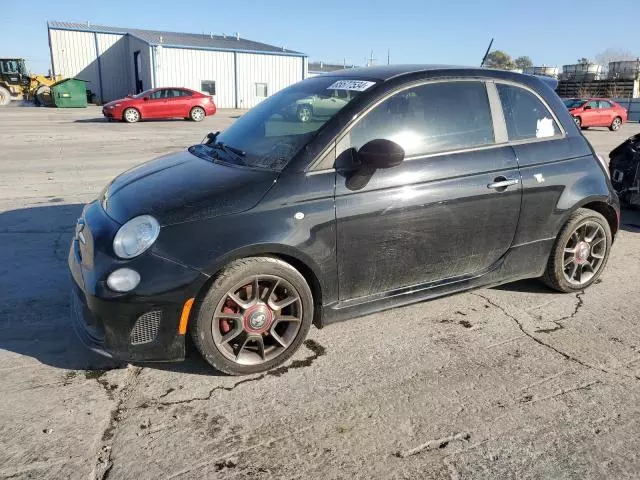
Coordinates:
column 74, row 55
column 180, row 67
column 276, row 71
column 145, row 64
column 113, row 50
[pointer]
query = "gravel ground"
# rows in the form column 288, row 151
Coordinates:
column 511, row 382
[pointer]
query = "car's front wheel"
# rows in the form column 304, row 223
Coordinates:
column 197, row 114
column 131, row 115
column 578, row 121
column 305, row 113
column 580, row 252
column 254, row 317
column 615, row 124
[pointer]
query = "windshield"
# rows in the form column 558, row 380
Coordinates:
column 273, row 132
column 146, row 93
column 573, row 102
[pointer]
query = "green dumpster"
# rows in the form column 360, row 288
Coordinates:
column 69, row 93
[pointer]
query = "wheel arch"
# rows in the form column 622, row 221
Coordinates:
column 304, row 265
column 597, row 204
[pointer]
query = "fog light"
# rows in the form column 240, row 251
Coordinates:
column 123, row 280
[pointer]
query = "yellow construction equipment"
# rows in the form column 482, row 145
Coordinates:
column 17, row 84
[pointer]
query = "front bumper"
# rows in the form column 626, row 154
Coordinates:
column 141, row 325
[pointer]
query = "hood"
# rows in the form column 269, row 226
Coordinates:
column 182, row 187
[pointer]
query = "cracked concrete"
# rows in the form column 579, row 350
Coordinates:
column 390, row 395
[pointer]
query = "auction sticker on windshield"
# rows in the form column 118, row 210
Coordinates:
column 355, row 85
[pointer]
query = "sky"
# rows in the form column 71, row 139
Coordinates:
column 414, row 31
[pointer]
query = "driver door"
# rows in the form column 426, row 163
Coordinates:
column 436, row 216
column 156, row 106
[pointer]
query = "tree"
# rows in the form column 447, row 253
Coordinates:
column 523, row 62
column 499, row 59
column 613, row 55
column 584, row 61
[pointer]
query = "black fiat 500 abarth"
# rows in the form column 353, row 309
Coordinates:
column 398, row 184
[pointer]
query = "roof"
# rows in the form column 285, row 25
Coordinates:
column 176, row 39
column 326, row 67
column 387, row 72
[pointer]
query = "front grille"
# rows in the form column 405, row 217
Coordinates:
column 146, row 328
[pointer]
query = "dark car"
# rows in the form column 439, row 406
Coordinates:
column 596, row 112
column 166, row 102
column 428, row 181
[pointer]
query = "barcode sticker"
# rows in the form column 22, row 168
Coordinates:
column 355, row 85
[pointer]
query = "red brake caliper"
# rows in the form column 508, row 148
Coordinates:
column 229, row 307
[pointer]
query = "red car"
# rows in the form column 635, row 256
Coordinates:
column 166, row 102
column 596, row 112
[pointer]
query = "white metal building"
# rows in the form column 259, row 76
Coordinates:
column 240, row 73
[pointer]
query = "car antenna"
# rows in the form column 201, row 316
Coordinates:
column 484, row 59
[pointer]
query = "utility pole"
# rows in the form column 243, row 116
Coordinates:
column 388, row 56
column 369, row 61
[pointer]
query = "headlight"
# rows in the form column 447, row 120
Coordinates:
column 136, row 236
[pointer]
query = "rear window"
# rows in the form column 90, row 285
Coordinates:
column 526, row 116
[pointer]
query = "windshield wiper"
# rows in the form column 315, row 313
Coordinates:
column 211, row 141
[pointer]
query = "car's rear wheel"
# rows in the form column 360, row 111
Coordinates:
column 254, row 317
column 580, row 252
column 197, row 114
column 615, row 124
column 305, row 112
column 578, row 121
column 131, row 115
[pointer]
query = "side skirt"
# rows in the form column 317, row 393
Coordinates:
column 522, row 261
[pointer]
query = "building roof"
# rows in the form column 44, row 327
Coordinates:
column 327, row 67
column 176, row 39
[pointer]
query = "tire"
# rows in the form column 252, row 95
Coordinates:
column 209, row 333
column 557, row 275
column 131, row 115
column 305, row 113
column 5, row 97
column 197, row 114
column 578, row 121
column 616, row 123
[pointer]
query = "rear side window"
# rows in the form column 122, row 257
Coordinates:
column 526, row 116
column 431, row 118
column 604, row 104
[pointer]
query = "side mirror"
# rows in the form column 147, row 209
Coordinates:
column 381, row 153
column 145, row 98
column 587, row 107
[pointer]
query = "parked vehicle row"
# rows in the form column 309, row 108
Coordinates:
column 419, row 182
column 161, row 103
column 596, row 112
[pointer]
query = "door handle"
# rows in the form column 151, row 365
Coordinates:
column 503, row 183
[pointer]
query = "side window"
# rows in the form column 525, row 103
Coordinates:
column 159, row 94
column 208, row 86
column 526, row 116
column 593, row 104
column 175, row 93
column 431, row 118
column 604, row 104
column 261, row 89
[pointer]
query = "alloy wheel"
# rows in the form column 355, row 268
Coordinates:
column 577, row 121
column 131, row 115
column 616, row 124
column 257, row 320
column 197, row 114
column 304, row 114
column 584, row 253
